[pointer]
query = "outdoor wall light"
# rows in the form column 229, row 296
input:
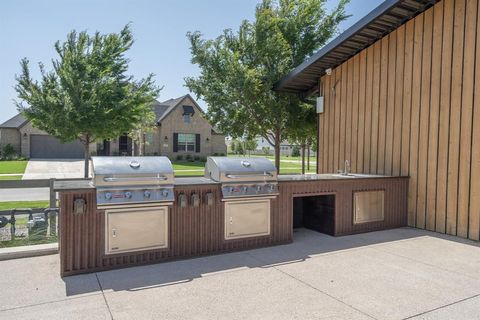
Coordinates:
column 207, row 139
column 328, row 71
column 165, row 139
column 25, row 135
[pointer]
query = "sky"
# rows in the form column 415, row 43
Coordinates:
column 29, row 28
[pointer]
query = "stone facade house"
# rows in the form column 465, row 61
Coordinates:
column 181, row 129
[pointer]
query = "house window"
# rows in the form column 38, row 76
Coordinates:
column 186, row 142
column 149, row 138
column 187, row 118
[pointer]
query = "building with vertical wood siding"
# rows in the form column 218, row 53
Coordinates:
column 402, row 98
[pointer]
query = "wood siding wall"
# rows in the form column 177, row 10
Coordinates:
column 409, row 105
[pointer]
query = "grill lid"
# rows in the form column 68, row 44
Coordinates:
column 110, row 171
column 227, row 169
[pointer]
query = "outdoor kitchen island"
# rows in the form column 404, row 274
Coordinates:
column 196, row 218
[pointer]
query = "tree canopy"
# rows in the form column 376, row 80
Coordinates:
column 238, row 69
column 88, row 94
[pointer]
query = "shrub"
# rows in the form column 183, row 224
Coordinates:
column 8, row 152
column 188, row 157
column 266, row 150
column 203, row 159
column 296, row 151
column 196, row 158
column 215, row 154
column 179, row 157
column 221, row 154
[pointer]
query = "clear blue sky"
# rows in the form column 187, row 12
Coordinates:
column 29, row 28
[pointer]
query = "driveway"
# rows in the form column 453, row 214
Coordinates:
column 53, row 168
column 395, row 274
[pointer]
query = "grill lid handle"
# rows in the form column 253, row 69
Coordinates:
column 131, row 179
column 265, row 174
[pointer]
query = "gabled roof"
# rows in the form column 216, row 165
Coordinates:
column 388, row 16
column 162, row 109
column 15, row 122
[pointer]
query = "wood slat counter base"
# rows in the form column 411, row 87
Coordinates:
column 198, row 231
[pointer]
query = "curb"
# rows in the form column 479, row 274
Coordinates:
column 28, row 251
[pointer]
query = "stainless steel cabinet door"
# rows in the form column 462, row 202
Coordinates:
column 135, row 229
column 247, row 218
column 368, row 206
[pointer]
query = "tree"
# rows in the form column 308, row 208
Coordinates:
column 239, row 69
column 87, row 96
column 302, row 130
column 145, row 125
column 250, row 144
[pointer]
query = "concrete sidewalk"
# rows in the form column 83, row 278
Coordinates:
column 396, row 274
column 53, row 168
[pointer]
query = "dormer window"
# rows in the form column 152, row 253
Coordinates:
column 188, row 112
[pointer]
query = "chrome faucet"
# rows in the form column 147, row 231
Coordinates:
column 346, row 169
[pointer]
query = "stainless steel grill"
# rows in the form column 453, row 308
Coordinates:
column 132, row 180
column 243, row 177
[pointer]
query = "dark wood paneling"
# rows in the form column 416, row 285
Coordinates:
column 396, row 190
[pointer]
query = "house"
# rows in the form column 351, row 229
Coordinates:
column 286, row 148
column 401, row 97
column 181, row 129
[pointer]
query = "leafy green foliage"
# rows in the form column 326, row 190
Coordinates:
column 88, row 95
column 239, row 69
column 296, row 151
column 8, row 152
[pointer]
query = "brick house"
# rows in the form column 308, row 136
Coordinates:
column 181, row 129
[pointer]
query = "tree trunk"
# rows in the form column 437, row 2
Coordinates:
column 308, row 157
column 303, row 158
column 277, row 153
column 86, row 148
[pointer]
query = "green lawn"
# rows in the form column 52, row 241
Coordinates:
column 8, row 205
column 15, row 166
column 15, row 177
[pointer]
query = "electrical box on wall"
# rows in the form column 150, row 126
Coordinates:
column 319, row 104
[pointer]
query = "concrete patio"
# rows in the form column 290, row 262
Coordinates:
column 395, row 274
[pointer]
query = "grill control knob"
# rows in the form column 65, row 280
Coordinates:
column 147, row 194
column 270, row 187
column 128, row 194
column 258, row 188
column 164, row 193
column 244, row 189
column 108, row 196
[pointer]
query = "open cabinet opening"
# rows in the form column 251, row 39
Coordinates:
column 315, row 212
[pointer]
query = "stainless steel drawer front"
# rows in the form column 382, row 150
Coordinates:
column 247, row 218
column 136, row 229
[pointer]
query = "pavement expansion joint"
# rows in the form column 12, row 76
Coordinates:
column 103, row 295
column 442, row 307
